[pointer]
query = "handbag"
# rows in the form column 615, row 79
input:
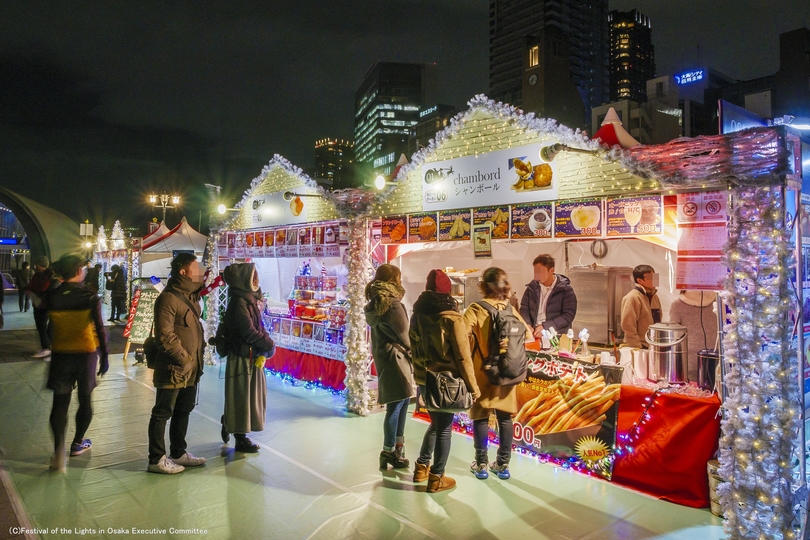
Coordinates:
column 446, row 393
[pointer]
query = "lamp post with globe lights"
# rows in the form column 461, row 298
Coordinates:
column 162, row 200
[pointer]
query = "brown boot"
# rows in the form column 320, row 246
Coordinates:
column 420, row 472
column 439, row 483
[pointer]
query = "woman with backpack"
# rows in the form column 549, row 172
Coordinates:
column 440, row 342
column 391, row 350
column 498, row 399
column 246, row 341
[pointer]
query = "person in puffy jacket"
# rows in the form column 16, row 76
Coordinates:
column 440, row 342
column 117, row 285
column 248, row 345
column 391, row 350
column 549, row 300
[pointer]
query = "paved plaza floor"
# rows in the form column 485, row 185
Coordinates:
column 315, row 476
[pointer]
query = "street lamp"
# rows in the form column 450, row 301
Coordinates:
column 162, row 200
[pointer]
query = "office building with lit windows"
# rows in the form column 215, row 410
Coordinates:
column 432, row 120
column 515, row 26
column 333, row 162
column 387, row 106
column 632, row 56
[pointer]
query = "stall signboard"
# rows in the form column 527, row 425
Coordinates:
column 273, row 209
column 702, row 206
column 702, row 235
column 454, row 225
column 578, row 219
column 497, row 215
column 394, row 230
column 422, row 227
column 307, row 337
column 515, row 175
column 635, row 216
column 700, row 273
column 141, row 314
column 701, row 239
column 482, row 241
column 532, row 220
column 269, row 243
column 569, row 409
column 239, row 250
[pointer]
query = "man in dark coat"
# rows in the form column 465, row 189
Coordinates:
column 549, row 301
column 37, row 289
column 178, row 366
column 22, row 278
column 117, row 285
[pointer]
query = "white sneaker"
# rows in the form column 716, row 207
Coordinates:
column 165, row 466
column 189, row 460
column 41, row 354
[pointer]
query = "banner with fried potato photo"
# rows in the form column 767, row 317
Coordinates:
column 568, row 409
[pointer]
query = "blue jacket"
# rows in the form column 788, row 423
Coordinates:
column 560, row 309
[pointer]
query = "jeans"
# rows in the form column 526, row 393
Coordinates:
column 505, row 435
column 177, row 404
column 396, row 413
column 437, row 441
column 43, row 327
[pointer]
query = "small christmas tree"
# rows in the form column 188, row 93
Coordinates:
column 102, row 239
column 117, row 236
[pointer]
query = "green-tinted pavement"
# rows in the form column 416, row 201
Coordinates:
column 316, row 476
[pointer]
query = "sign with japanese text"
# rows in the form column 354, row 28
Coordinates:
column 141, row 314
column 515, row 175
column 394, row 230
column 578, row 219
column 454, row 225
column 482, row 241
column 635, row 216
column 533, row 220
column 702, row 206
column 422, row 228
column 273, row 209
column 498, row 216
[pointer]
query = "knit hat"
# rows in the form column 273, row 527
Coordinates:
column 42, row 261
column 438, row 281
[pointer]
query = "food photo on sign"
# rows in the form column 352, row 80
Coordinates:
column 497, row 217
column 533, row 220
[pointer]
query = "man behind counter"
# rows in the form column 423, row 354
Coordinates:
column 549, row 301
column 640, row 307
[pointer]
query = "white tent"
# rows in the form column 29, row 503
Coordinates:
column 157, row 251
column 162, row 230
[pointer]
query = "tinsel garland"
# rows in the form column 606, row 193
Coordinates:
column 761, row 413
column 277, row 161
column 211, row 301
column 358, row 357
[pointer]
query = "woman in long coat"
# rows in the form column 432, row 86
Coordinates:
column 391, row 350
column 247, row 340
column 500, row 400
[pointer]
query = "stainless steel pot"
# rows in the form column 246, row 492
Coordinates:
column 668, row 352
column 707, row 364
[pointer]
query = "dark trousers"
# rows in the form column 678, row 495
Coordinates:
column 25, row 300
column 436, row 442
column 118, row 307
column 59, row 415
column 505, row 435
column 43, row 327
column 175, row 404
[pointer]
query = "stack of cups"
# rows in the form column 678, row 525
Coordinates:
column 714, row 481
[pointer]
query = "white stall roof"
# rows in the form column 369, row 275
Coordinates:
column 182, row 237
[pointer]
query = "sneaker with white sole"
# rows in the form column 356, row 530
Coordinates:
column 41, row 354
column 165, row 466
column 80, row 448
column 189, row 460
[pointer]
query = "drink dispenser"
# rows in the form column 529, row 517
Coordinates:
column 668, row 352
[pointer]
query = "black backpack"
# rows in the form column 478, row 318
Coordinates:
column 510, row 366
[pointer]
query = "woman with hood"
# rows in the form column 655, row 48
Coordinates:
column 500, row 400
column 440, row 341
column 391, row 350
column 117, row 285
column 247, row 341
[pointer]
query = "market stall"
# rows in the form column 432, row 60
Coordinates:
column 497, row 188
column 159, row 247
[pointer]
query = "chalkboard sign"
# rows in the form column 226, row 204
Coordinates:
column 141, row 314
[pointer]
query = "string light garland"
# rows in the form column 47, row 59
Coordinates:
column 298, row 383
column 760, row 422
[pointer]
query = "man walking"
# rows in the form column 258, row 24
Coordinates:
column 22, row 278
column 178, row 366
column 37, row 289
column 79, row 344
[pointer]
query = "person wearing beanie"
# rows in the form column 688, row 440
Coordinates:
column 440, row 342
column 247, row 341
column 391, row 352
column 37, row 289
column 695, row 310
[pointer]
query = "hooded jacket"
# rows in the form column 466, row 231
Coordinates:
column 390, row 344
column 117, row 282
column 561, row 308
column 639, row 311
column 244, row 331
column 178, row 330
column 440, row 340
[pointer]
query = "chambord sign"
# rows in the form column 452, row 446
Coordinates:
column 512, row 176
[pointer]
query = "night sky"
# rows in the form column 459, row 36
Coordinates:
column 105, row 101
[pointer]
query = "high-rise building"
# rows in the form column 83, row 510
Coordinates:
column 632, row 57
column 386, row 107
column 333, row 160
column 432, row 120
column 513, row 24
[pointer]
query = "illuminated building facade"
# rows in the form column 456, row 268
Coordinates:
column 632, row 56
column 333, row 162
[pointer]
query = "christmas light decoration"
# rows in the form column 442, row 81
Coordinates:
column 760, row 423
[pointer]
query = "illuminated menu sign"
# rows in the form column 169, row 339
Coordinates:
column 690, row 76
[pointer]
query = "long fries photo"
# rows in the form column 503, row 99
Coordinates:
column 569, row 404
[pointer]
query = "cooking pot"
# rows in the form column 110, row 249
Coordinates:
column 668, row 352
column 707, row 364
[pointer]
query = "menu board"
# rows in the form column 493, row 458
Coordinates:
column 454, row 225
column 482, row 241
column 422, row 228
column 239, row 250
column 701, row 239
column 578, row 219
column 635, row 216
column 702, row 235
column 706, row 273
column 532, row 220
column 141, row 314
column 498, row 216
column 394, row 230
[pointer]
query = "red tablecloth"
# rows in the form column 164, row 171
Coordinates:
column 669, row 458
column 309, row 367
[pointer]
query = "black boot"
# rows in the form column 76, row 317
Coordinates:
column 243, row 444
column 393, row 459
column 223, row 432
